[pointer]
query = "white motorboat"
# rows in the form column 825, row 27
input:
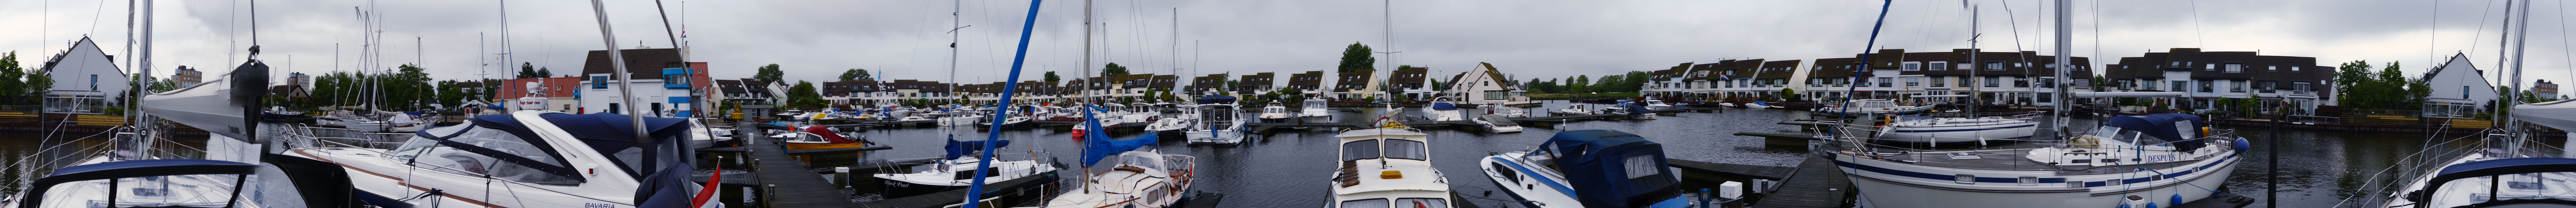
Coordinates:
column 1575, row 109
column 1609, row 168
column 1217, row 122
column 1387, row 166
column 1497, row 123
column 1757, row 105
column 1275, row 113
column 398, row 123
column 1137, row 175
column 1948, row 130
column 2151, row 160
column 1730, row 105
column 1170, row 127
column 1442, row 111
column 957, row 171
column 1652, row 104
column 1506, row 111
column 1315, row 110
column 1629, row 109
column 707, row 136
column 1870, row 107
column 524, row 159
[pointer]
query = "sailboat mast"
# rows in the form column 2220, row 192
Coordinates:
column 955, row 23
column 1973, row 64
column 2513, row 94
column 1085, row 80
column 608, row 37
column 2065, row 52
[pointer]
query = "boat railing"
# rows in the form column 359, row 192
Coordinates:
column 2390, row 181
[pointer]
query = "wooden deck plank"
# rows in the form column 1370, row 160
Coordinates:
column 790, row 184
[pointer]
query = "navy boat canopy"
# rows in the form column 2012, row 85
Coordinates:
column 1216, row 99
column 1443, row 106
column 1599, row 163
column 2179, row 129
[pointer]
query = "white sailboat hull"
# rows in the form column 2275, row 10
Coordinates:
column 1980, row 130
column 1881, row 184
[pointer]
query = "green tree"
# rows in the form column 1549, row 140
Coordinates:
column 38, row 83
column 1581, row 84
column 861, row 75
column 769, row 74
column 12, row 84
column 1113, row 70
column 527, row 70
column 449, row 95
column 1788, row 94
column 803, row 96
column 1051, row 77
column 164, row 85
column 1356, row 57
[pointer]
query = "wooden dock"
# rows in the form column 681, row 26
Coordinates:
column 1817, row 184
column 1764, row 172
column 786, row 176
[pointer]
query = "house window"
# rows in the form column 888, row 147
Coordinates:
column 93, row 82
column 2149, row 84
column 2179, row 85
column 1863, row 83
column 2266, row 87
column 2124, row 84
column 599, row 82
column 2204, row 86
column 1886, row 81
column 1994, row 81
column 1913, row 81
column 2021, row 81
column 1909, row 66
column 1994, row 65
column 2235, row 67
column 2047, row 82
column 1936, row 65
column 1936, row 81
column 2237, row 86
column 2301, row 87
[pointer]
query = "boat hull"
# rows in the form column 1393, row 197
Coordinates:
column 900, row 189
column 1960, row 133
column 1876, row 184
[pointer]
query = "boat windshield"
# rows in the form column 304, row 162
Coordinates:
column 1362, row 149
column 1315, row 104
column 1216, row 114
column 1398, row 203
column 477, row 151
column 1406, row 149
column 203, row 190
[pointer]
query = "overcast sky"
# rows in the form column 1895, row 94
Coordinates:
column 816, row 40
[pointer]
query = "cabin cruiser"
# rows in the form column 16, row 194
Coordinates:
column 957, row 171
column 1948, row 130
column 1387, row 166
column 1575, row 109
column 1629, row 109
column 1758, row 105
column 1218, row 122
column 1497, row 123
column 818, row 137
column 1276, row 113
column 1653, row 104
column 508, row 160
column 1871, row 107
column 1506, row 111
column 1315, row 110
column 1136, row 174
column 1608, row 167
column 1170, row 127
column 1442, row 111
column 2160, row 159
column 236, row 171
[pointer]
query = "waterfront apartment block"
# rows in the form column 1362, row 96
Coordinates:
column 1996, row 78
column 2206, row 76
column 1256, row 83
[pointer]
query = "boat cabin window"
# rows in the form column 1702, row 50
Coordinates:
column 1506, row 172
column 1367, row 203
column 1362, row 149
column 1422, row 203
column 1406, row 149
column 1641, row 166
column 2132, row 137
column 1216, row 113
column 493, row 153
column 1315, row 104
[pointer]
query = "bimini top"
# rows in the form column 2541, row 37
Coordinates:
column 1216, row 99
column 1597, row 163
column 1443, row 106
column 2171, row 127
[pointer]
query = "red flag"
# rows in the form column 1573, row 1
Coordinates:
column 709, row 192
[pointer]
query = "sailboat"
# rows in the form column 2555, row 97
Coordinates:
column 1387, row 166
column 957, row 170
column 1962, row 127
column 1134, row 173
column 2135, row 161
column 1587, row 168
column 236, row 172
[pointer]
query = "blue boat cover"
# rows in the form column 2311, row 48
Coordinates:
column 2169, row 127
column 1097, row 145
column 1596, row 162
column 960, row 148
column 1443, row 106
column 1216, row 99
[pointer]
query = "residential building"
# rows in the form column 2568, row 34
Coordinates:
column 2460, row 90
column 86, row 80
column 1701, row 80
column 1666, row 83
column 1486, row 85
column 562, row 93
column 2544, row 90
column 1201, row 85
column 2206, row 76
column 2004, row 78
column 1310, row 83
column 1414, row 83
column 1164, row 83
column 1256, row 83
column 662, row 85
column 1356, row 85
column 187, row 77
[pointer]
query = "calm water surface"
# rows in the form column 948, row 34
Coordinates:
column 1291, row 168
